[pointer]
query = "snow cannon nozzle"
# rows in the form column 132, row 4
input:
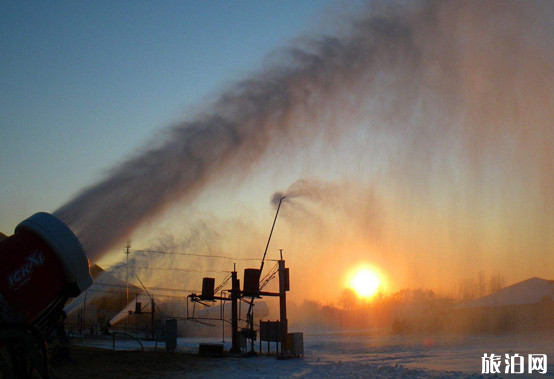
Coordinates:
column 41, row 265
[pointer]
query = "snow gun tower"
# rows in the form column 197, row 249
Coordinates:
column 41, row 265
column 253, row 289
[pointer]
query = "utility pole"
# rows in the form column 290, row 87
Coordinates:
column 128, row 247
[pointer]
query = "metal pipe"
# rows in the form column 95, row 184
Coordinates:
column 249, row 315
column 270, row 234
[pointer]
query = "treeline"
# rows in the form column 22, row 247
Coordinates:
column 479, row 286
column 406, row 311
column 419, row 306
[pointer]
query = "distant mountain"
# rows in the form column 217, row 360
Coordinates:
column 530, row 291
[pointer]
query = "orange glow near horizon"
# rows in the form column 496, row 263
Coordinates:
column 365, row 281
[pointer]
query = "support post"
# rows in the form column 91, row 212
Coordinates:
column 84, row 318
column 283, row 288
column 235, row 293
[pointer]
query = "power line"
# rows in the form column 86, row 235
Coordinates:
column 198, row 255
column 123, row 286
column 220, row 287
column 119, row 267
column 177, row 269
column 122, row 292
column 269, row 276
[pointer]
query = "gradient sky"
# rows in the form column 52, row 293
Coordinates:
column 85, row 84
column 426, row 135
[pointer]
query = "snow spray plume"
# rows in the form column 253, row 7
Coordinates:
column 307, row 188
column 235, row 132
column 461, row 72
column 276, row 198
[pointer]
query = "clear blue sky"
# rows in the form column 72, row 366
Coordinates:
column 85, row 84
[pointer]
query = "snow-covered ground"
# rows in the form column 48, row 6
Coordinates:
column 367, row 354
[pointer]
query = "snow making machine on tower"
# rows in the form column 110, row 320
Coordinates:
column 42, row 265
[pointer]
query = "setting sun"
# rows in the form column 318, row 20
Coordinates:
column 364, row 282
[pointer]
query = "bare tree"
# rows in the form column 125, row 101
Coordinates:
column 348, row 299
column 481, row 284
column 496, row 283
